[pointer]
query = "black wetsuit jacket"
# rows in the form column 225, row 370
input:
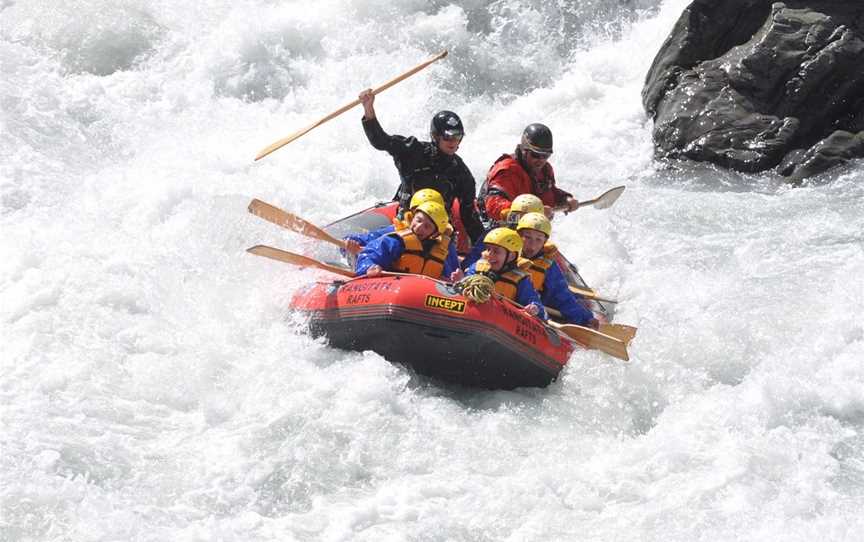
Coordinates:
column 422, row 165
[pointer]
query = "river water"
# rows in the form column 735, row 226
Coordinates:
column 154, row 387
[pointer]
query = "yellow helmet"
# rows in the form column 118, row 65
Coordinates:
column 535, row 221
column 505, row 238
column 423, row 195
column 526, row 203
column 436, row 212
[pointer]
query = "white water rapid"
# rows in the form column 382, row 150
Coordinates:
column 154, row 387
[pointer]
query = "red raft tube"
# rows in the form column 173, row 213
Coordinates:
column 429, row 326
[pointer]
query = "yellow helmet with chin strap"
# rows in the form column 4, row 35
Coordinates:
column 535, row 221
column 505, row 238
column 423, row 195
column 436, row 212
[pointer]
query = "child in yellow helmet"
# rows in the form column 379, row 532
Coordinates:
column 501, row 264
column 355, row 242
column 423, row 247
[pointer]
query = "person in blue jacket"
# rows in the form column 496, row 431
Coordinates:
column 546, row 276
column 502, row 271
column 423, row 247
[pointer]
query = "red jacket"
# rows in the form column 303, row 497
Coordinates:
column 508, row 178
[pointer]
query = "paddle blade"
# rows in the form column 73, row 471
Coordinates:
column 609, row 197
column 296, row 259
column 292, row 222
column 621, row 332
column 594, row 340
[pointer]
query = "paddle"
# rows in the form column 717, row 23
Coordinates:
column 583, row 335
column 282, row 142
column 603, row 201
column 594, row 339
column 621, row 332
column 587, row 337
column 296, row 259
column 590, row 294
column 292, row 222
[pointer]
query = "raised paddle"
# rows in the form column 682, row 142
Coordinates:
column 603, row 201
column 284, row 141
column 277, row 216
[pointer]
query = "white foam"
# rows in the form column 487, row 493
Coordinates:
column 154, row 386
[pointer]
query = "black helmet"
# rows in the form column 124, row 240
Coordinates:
column 537, row 138
column 446, row 124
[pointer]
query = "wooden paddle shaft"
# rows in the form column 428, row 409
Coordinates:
column 297, row 259
column 292, row 222
column 282, row 142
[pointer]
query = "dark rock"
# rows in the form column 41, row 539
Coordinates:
column 836, row 149
column 744, row 83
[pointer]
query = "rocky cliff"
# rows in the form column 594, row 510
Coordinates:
column 752, row 85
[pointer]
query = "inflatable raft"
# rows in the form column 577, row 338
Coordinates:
column 428, row 325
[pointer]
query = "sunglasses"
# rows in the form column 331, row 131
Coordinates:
column 540, row 155
column 451, row 137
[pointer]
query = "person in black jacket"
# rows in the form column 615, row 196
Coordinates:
column 428, row 164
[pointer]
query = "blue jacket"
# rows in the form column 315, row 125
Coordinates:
column 475, row 254
column 385, row 250
column 365, row 238
column 557, row 294
column 525, row 292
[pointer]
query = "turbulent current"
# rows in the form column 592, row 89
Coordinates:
column 154, row 386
